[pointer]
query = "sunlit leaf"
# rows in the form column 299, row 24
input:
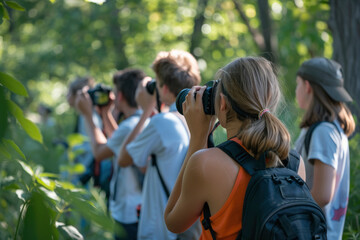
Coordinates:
column 11, row 143
column 26, row 168
column 22, row 195
column 76, row 139
column 12, row 84
column 50, row 194
column 65, row 185
column 100, row 2
column 48, row 175
column 30, row 128
column 73, row 169
column 68, row 231
column 47, row 183
column 15, row 5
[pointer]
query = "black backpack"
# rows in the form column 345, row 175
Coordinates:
column 277, row 204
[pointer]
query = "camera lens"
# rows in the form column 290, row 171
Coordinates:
column 151, row 86
column 180, row 99
column 208, row 98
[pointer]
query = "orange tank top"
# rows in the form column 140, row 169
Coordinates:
column 227, row 222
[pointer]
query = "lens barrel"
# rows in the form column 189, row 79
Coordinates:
column 151, row 86
column 208, row 99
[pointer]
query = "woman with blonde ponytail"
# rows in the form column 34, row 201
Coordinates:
column 246, row 101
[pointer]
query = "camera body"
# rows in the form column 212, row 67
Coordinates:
column 100, row 95
column 208, row 98
column 151, row 86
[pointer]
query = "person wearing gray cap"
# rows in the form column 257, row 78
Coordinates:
column 320, row 92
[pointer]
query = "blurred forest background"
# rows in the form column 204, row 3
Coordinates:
column 46, row 44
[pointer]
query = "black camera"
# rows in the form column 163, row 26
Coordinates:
column 151, row 86
column 208, row 98
column 100, row 95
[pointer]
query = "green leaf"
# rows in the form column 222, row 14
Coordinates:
column 47, row 183
column 76, row 139
column 9, row 183
column 15, row 5
column 68, row 231
column 11, row 143
column 30, row 128
column 5, row 13
column 39, row 220
column 12, row 84
column 4, row 152
column 26, row 168
column 50, row 194
column 3, row 111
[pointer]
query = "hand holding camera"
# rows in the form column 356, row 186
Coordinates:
column 144, row 98
column 208, row 98
column 100, row 95
column 198, row 122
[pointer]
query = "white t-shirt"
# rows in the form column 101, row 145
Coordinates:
column 331, row 148
column 125, row 190
column 166, row 137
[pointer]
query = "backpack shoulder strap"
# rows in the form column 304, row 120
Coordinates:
column 241, row 156
column 310, row 132
column 293, row 161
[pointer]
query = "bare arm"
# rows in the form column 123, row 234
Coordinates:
column 97, row 138
column 186, row 199
column 147, row 103
column 324, row 183
column 301, row 170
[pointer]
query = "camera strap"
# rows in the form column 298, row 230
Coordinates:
column 158, row 103
column 210, row 140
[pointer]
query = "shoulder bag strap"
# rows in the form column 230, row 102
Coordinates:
column 154, row 163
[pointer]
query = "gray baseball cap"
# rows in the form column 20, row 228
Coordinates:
column 328, row 74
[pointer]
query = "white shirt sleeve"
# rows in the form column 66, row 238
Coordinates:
column 144, row 144
column 324, row 144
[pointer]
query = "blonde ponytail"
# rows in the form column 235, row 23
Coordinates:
column 250, row 87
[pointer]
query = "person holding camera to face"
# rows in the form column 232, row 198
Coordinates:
column 85, row 157
column 125, row 188
column 165, row 139
column 244, row 102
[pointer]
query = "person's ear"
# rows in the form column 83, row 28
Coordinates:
column 308, row 87
column 223, row 106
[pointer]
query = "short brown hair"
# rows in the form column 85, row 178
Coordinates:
column 126, row 82
column 177, row 70
column 79, row 83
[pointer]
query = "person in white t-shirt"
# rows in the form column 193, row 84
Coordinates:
column 165, row 138
column 125, row 189
column 321, row 94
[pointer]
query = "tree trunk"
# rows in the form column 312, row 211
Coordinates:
column 264, row 39
column 269, row 43
column 198, row 22
column 344, row 23
column 117, row 39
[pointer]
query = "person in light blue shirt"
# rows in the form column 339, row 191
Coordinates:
column 321, row 94
column 125, row 188
column 165, row 139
